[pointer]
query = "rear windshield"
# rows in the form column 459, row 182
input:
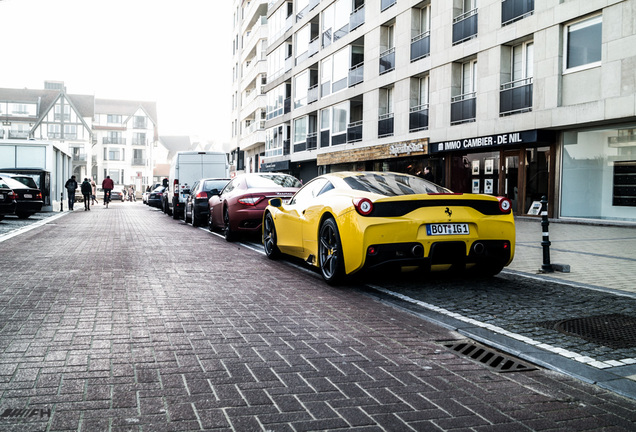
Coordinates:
column 13, row 184
column 27, row 181
column 272, row 180
column 208, row 185
column 393, row 184
column 4, row 185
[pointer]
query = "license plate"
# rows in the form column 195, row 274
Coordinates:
column 447, row 229
column 28, row 196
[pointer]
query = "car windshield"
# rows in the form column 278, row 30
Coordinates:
column 208, row 185
column 26, row 180
column 14, row 184
column 390, row 184
column 159, row 189
column 272, row 180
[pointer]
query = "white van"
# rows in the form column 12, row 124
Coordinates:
column 186, row 168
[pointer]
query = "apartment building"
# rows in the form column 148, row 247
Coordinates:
column 104, row 137
column 520, row 98
column 249, row 76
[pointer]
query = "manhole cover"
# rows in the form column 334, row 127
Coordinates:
column 613, row 331
column 491, row 358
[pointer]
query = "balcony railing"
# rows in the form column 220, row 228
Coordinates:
column 385, row 4
column 324, row 138
column 314, row 46
column 387, row 61
column 341, row 32
column 287, row 105
column 140, row 125
column 300, row 146
column 18, row 134
column 356, row 74
column 418, row 118
column 113, row 140
column 356, row 19
column 60, row 116
column 354, row 131
column 463, row 108
column 513, row 10
column 140, row 141
column 515, row 96
column 79, row 157
column 312, row 93
column 465, row 27
column 421, row 46
column 254, row 126
column 312, row 141
column 139, row 161
column 385, row 125
column 286, row 147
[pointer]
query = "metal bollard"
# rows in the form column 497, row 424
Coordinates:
column 546, row 267
column 61, row 201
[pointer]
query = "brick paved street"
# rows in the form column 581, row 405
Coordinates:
column 124, row 319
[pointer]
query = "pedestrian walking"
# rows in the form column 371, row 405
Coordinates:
column 87, row 190
column 93, row 192
column 71, row 187
column 428, row 175
column 107, row 185
column 131, row 193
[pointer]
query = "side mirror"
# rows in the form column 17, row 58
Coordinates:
column 186, row 192
column 276, row 202
column 213, row 192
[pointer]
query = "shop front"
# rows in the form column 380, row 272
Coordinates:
column 409, row 157
column 517, row 165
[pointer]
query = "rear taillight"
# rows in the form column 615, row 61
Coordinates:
column 505, row 205
column 13, row 195
column 202, row 195
column 175, row 187
column 250, row 201
column 364, row 206
column 38, row 195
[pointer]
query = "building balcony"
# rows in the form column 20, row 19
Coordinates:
column 354, row 132
column 139, row 161
column 79, row 157
column 18, row 134
column 463, row 108
column 140, row 141
column 140, row 125
column 286, row 147
column 312, row 141
column 418, row 118
column 356, row 74
column 385, row 4
column 60, row 117
column 287, row 105
column 421, row 46
column 385, row 125
column 314, row 46
column 356, row 19
column 513, row 10
column 387, row 61
column 113, row 140
column 324, row 138
column 515, row 96
column 465, row 27
column 312, row 93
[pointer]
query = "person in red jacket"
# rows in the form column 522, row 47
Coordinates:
column 108, row 186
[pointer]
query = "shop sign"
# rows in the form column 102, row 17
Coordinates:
column 499, row 140
column 405, row 149
column 275, row 166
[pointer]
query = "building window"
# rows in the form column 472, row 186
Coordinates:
column 418, row 113
column 465, row 24
column 385, row 118
column 59, row 115
column 301, row 85
column 70, row 131
column 139, row 122
column 114, row 154
column 387, row 48
column 340, row 119
column 300, row 134
column 54, row 131
column 583, row 44
column 516, row 91
column 420, row 32
column 463, row 103
column 113, row 118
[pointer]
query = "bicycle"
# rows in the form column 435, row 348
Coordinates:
column 106, row 197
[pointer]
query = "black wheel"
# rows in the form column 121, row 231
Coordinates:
column 210, row 223
column 227, row 231
column 269, row 237
column 175, row 211
column 193, row 218
column 330, row 257
column 185, row 214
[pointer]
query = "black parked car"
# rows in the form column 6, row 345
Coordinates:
column 7, row 199
column 155, row 196
column 28, row 196
column 196, row 206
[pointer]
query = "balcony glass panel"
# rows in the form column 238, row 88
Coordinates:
column 312, row 141
column 139, row 161
column 385, row 125
column 385, row 4
column 420, row 46
column 324, row 138
column 312, row 94
column 286, row 147
column 387, row 61
column 513, row 10
column 301, row 146
column 339, row 139
column 465, row 26
column 354, row 131
column 463, row 108
column 356, row 19
column 287, row 105
column 356, row 74
column 515, row 96
column 418, row 118
column 314, row 46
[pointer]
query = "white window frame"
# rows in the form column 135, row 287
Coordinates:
column 585, row 22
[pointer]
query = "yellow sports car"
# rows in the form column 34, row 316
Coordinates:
column 346, row 222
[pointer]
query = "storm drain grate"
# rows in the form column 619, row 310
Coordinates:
column 613, row 331
column 491, row 358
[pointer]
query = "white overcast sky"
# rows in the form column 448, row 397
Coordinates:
column 174, row 52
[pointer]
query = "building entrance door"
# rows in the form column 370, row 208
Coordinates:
column 509, row 180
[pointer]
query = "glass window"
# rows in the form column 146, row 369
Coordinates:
column 301, row 85
column 583, row 43
column 300, row 129
column 340, row 118
column 392, row 184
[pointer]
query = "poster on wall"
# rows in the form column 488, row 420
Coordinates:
column 488, row 186
column 476, row 186
column 489, row 166
column 475, row 167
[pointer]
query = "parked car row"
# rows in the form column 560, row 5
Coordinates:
column 19, row 195
column 349, row 222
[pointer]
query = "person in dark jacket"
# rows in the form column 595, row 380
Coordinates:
column 87, row 191
column 71, row 187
